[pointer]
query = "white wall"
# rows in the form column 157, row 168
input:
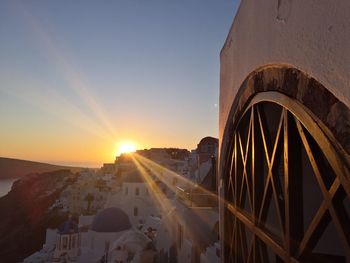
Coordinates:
column 93, row 244
column 50, row 239
column 210, row 254
column 72, row 246
column 312, row 35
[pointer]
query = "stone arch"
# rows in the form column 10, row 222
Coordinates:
column 330, row 113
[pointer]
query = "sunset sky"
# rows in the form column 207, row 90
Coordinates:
column 78, row 79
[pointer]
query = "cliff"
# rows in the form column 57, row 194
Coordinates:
column 14, row 168
column 25, row 213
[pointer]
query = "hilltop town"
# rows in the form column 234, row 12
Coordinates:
column 154, row 205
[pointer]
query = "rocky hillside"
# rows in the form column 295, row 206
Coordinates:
column 14, row 168
column 25, row 215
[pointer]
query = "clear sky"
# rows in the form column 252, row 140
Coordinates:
column 78, row 78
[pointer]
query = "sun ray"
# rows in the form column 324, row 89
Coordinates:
column 76, row 82
column 176, row 217
column 155, row 192
column 155, row 167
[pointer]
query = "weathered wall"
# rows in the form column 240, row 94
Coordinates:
column 311, row 35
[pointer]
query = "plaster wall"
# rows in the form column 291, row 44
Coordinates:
column 97, row 244
column 50, row 240
column 145, row 207
column 143, row 189
column 128, row 200
column 313, row 36
column 210, row 255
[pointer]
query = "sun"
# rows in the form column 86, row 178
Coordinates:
column 126, row 147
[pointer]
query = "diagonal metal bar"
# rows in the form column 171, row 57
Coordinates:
column 244, row 160
column 241, row 201
column 268, row 163
column 286, row 184
column 266, row 238
column 273, row 179
column 264, row 203
column 264, row 138
column 339, row 226
column 315, row 228
column 245, row 156
column 250, row 132
column 270, row 167
column 230, row 183
column 253, row 162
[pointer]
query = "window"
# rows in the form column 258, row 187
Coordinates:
column 295, row 173
column 136, row 211
column 146, row 191
column 137, row 191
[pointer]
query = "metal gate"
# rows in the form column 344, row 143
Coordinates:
column 286, row 187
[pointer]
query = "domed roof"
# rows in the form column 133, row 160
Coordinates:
column 208, row 139
column 111, row 220
column 68, row 227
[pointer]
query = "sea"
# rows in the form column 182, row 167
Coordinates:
column 5, row 186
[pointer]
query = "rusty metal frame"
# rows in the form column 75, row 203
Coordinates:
column 248, row 195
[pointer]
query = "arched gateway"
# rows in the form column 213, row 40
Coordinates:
column 284, row 144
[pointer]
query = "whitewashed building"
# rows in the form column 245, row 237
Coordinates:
column 67, row 245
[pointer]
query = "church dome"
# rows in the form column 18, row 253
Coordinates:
column 111, row 220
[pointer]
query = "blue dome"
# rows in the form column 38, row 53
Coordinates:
column 68, row 227
column 111, row 220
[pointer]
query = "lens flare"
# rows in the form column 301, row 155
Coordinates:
column 126, row 147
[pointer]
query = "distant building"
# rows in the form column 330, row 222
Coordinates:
column 193, row 221
column 150, row 211
column 107, row 237
column 196, row 228
column 87, row 195
column 108, row 168
column 206, row 149
column 107, row 226
column 134, row 197
column 67, row 242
